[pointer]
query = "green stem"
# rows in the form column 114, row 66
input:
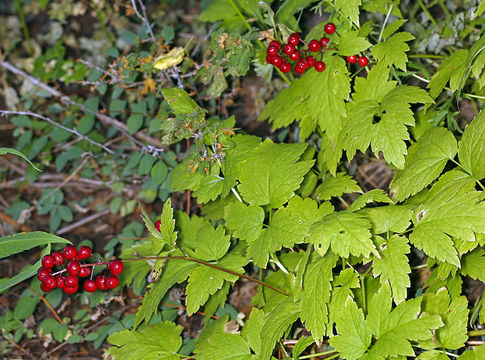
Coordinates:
column 445, row 9
column 428, row 56
column 317, row 354
column 25, row 28
column 384, row 24
column 425, row 9
column 364, row 300
column 476, row 333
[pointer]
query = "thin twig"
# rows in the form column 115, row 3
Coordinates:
column 108, row 120
column 82, row 222
column 50, row 121
column 143, row 18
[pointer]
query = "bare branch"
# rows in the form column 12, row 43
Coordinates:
column 143, row 18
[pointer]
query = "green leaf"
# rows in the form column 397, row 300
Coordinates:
column 212, row 244
column 264, row 175
column 454, row 314
column 245, row 220
column 225, row 347
column 392, row 27
column 459, row 216
column 341, row 291
column 452, row 69
column 25, row 307
column 14, row 244
column 336, row 186
column 478, row 352
column 351, row 43
column 354, row 336
column 316, row 294
column 251, row 331
column 347, row 233
column 393, row 218
column 174, row 271
column 180, row 101
column 393, row 266
column 425, row 162
column 26, row 272
column 349, row 9
column 473, row 264
column 307, row 210
column 393, row 50
column 277, row 322
column 4, row 150
column 376, row 195
column 145, row 344
column 472, row 147
column 167, row 225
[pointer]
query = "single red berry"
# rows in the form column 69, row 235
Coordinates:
column 48, row 261
column 302, row 63
column 58, row 258
column 288, row 49
column 276, row 44
column 294, row 39
column 295, row 56
column 329, row 28
column 319, row 66
column 44, row 288
column 363, row 61
column 310, row 61
column 314, row 45
column 324, row 41
column 73, row 267
column 60, row 281
column 272, row 50
column 285, row 67
column 112, row 282
column 71, row 290
column 69, row 252
column 49, row 282
column 352, row 59
column 42, row 273
column 116, row 267
column 90, row 286
column 101, row 282
column 84, row 252
column 85, row 271
column 71, row 281
column 277, row 60
column 271, row 61
column 299, row 70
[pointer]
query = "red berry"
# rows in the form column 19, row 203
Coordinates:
column 58, row 258
column 277, row 60
column 116, row 267
column 310, row 61
column 71, row 281
column 299, row 70
column 85, row 271
column 288, row 49
column 285, row 67
column 352, row 59
column 70, row 290
column 295, row 56
column 84, row 252
column 302, row 63
column 101, row 282
column 42, row 273
column 319, row 66
column 363, row 61
column 269, row 60
column 276, row 44
column 48, row 261
column 329, row 28
column 324, row 41
column 44, row 288
column 60, row 281
column 73, row 267
column 69, row 252
column 272, row 50
column 90, row 286
column 294, row 39
column 49, row 282
column 112, row 282
column 314, row 45
column 158, row 223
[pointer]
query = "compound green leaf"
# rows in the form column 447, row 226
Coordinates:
column 346, row 232
column 272, row 173
column 351, row 43
column 336, row 186
column 424, row 163
column 316, row 294
column 245, row 220
column 393, row 50
column 354, row 336
column 145, row 343
column 393, row 266
column 472, row 147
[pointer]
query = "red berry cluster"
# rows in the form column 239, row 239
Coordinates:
column 76, row 269
column 293, row 52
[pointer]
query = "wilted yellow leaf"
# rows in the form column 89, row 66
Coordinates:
column 148, row 84
column 172, row 58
